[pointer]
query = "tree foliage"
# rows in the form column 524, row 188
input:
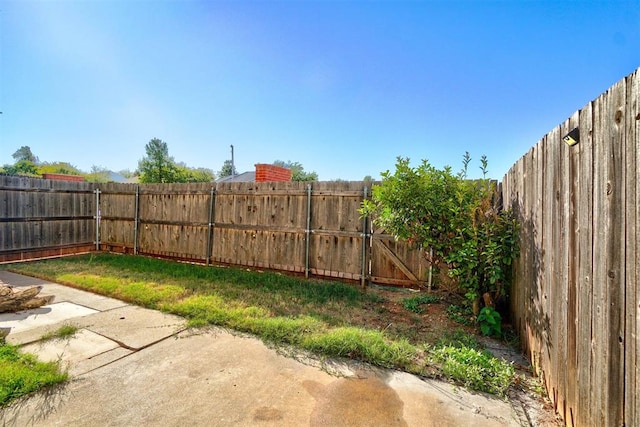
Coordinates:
column 157, row 166
column 457, row 218
column 25, row 163
column 21, row 167
column 59, row 167
column 297, row 171
column 98, row 174
column 24, row 153
column 186, row 174
column 228, row 169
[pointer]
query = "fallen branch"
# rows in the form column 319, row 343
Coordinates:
column 12, row 300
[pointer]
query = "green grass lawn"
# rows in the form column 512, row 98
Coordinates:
column 21, row 374
column 327, row 318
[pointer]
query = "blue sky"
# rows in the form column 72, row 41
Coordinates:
column 341, row 87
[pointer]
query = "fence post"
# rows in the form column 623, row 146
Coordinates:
column 212, row 198
column 137, row 221
column 307, row 233
column 97, row 217
column 364, row 243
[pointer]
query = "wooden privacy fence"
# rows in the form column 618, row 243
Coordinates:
column 311, row 228
column 576, row 299
column 41, row 217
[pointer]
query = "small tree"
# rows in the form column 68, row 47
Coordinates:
column 228, row 169
column 454, row 217
column 157, row 166
column 25, row 163
column 24, row 153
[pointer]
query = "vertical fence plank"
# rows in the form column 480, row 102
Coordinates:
column 571, row 269
column 608, row 245
column 547, row 291
column 584, row 245
column 616, row 226
column 632, row 244
column 557, row 289
column 521, row 171
column 598, row 320
column 538, row 298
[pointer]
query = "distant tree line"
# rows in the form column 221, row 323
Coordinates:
column 157, row 166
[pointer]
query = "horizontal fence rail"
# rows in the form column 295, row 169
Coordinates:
column 575, row 298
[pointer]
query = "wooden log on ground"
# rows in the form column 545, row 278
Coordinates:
column 12, row 300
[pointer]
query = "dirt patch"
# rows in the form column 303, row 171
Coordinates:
column 390, row 315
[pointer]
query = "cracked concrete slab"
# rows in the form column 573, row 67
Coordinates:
column 133, row 327
column 219, row 379
column 135, row 366
column 52, row 314
column 77, row 353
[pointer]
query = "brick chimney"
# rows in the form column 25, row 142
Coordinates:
column 272, row 173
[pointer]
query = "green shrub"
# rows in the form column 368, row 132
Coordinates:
column 490, row 322
column 457, row 218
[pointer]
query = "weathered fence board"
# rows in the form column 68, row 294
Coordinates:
column 632, row 262
column 584, row 217
column 575, row 296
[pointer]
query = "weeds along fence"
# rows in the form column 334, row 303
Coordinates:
column 576, row 296
column 311, row 228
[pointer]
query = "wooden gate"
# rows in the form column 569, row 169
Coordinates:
column 396, row 262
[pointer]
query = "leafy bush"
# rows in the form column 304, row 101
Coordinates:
column 459, row 219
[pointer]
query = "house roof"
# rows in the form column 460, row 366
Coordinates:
column 243, row 177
